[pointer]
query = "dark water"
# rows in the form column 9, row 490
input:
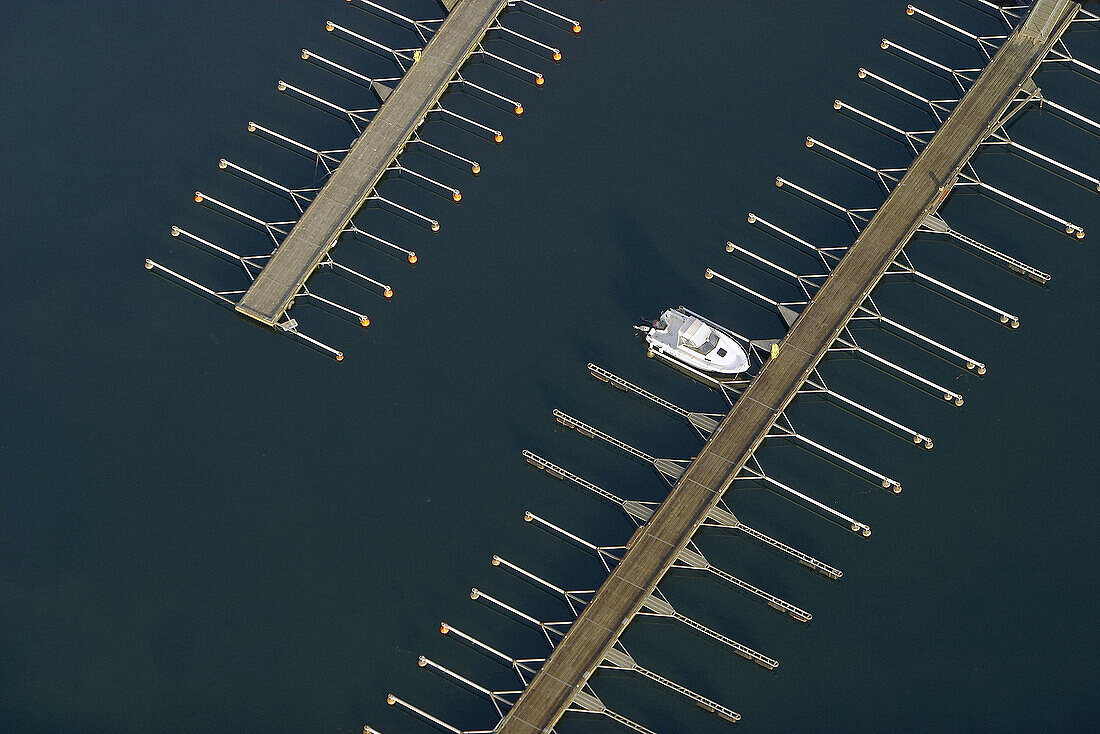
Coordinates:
column 209, row 528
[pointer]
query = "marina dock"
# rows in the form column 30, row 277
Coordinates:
column 370, row 156
column 657, row 544
column 407, row 93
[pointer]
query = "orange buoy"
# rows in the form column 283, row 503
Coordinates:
column 435, row 226
column 576, row 27
column 198, row 197
column 364, row 322
column 476, row 168
column 456, row 195
column 443, row 628
column 388, row 293
column 498, row 138
column 329, row 26
column 519, row 110
column 413, row 258
column 556, row 57
column 539, row 81
column 339, row 356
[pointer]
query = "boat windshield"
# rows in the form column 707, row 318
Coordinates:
column 706, row 347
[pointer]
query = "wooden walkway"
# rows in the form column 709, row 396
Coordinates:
column 656, row 545
column 370, row 155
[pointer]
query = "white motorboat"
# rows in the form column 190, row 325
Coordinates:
column 695, row 342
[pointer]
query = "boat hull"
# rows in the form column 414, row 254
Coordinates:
column 681, row 337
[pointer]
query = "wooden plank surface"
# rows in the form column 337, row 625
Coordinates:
column 656, row 545
column 372, row 153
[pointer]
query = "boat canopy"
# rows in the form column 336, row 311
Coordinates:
column 696, row 343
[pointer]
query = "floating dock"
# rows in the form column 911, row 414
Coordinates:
column 280, row 277
column 371, row 155
column 657, row 545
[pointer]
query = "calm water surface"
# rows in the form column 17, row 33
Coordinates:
column 209, row 528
